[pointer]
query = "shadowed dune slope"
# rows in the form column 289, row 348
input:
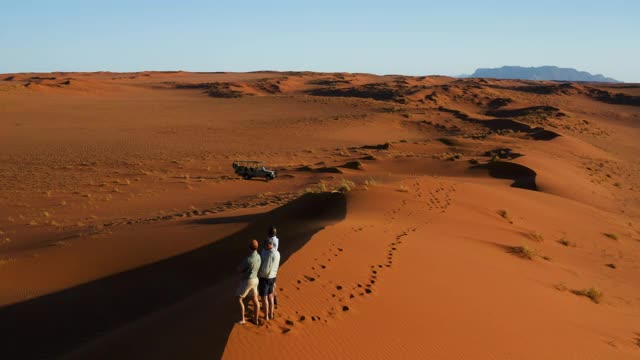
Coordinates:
column 59, row 321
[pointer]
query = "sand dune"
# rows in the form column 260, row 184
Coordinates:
column 426, row 217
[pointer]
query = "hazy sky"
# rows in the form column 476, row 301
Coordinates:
column 383, row 37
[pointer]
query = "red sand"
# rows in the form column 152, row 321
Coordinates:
column 122, row 221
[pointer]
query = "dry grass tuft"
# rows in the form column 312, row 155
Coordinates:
column 371, row 182
column 565, row 242
column 505, row 214
column 346, row 185
column 536, row 236
column 592, row 293
column 317, row 188
column 524, row 252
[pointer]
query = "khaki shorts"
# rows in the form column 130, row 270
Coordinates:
column 248, row 287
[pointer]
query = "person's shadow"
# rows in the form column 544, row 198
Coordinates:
column 53, row 325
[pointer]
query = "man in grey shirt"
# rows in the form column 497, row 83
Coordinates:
column 249, row 282
column 267, row 277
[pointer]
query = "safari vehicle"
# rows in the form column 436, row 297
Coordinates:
column 250, row 168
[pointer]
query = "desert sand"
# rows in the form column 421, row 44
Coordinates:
column 419, row 217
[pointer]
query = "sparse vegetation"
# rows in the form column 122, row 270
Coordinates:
column 611, row 236
column 536, row 236
column 317, row 188
column 565, row 242
column 371, row 182
column 505, row 215
column 592, row 293
column 346, row 185
column 524, row 252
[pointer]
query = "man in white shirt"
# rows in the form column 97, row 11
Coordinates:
column 271, row 234
column 269, row 264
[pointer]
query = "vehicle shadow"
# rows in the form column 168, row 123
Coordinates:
column 54, row 324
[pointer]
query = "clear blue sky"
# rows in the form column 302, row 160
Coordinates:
column 383, row 37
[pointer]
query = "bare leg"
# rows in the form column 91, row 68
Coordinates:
column 271, row 305
column 256, row 304
column 241, row 309
column 275, row 296
column 266, row 307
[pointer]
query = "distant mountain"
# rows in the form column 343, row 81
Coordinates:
column 540, row 73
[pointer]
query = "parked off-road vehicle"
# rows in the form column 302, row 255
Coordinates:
column 249, row 169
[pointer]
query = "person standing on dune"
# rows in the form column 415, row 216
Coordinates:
column 271, row 234
column 267, row 277
column 249, row 283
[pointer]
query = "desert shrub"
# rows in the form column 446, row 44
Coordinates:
column 347, row 185
column 524, row 252
column 565, row 242
column 317, row 188
column 592, row 293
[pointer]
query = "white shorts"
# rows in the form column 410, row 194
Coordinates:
column 248, row 287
